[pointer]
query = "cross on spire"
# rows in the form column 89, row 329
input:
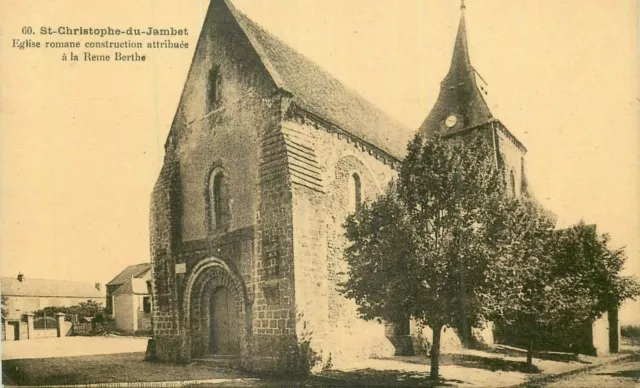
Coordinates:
column 462, row 6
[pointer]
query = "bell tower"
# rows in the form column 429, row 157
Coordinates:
column 460, row 104
column 461, row 111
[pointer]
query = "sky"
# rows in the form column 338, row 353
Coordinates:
column 81, row 143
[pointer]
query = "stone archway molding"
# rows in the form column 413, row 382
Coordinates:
column 334, row 160
column 196, row 283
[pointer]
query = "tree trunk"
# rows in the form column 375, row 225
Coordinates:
column 530, row 353
column 465, row 329
column 435, row 354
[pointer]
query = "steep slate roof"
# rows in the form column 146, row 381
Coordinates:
column 50, row 288
column 319, row 93
column 135, row 271
column 133, row 286
column 459, row 93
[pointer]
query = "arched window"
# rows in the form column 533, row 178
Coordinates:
column 355, row 193
column 214, row 86
column 512, row 183
column 219, row 201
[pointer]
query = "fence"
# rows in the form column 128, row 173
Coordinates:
column 82, row 328
column 633, row 341
column 30, row 327
column 44, row 323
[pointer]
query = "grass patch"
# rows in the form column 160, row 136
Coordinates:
column 110, row 368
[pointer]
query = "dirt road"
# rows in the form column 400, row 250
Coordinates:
column 618, row 375
column 70, row 346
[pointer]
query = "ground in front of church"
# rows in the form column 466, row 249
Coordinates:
column 500, row 367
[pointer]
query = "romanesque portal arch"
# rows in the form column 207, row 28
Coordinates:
column 216, row 310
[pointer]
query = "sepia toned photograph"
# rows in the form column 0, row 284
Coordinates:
column 320, row 193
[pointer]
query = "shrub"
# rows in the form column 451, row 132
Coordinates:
column 106, row 326
column 299, row 358
column 630, row 331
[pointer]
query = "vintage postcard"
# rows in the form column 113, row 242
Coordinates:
column 275, row 193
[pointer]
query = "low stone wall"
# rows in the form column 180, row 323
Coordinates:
column 44, row 333
column 27, row 331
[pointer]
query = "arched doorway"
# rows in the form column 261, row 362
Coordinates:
column 216, row 304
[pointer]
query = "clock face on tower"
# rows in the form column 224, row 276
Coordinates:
column 451, row 121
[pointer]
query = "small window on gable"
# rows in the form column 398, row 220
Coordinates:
column 218, row 200
column 512, row 183
column 214, row 86
column 355, row 193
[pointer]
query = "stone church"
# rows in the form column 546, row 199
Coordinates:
column 266, row 156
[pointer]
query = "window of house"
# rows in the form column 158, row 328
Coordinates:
column 355, row 193
column 146, row 304
column 219, row 201
column 512, row 183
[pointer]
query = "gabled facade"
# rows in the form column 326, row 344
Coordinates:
column 136, row 271
column 266, row 156
column 131, row 307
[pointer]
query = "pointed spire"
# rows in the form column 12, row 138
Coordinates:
column 460, row 103
column 460, row 61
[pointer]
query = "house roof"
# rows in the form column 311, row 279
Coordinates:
column 133, row 286
column 135, row 271
column 459, row 93
column 50, row 288
column 318, row 92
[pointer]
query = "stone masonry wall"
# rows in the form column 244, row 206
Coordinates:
column 513, row 157
column 320, row 206
column 166, row 346
column 273, row 317
column 228, row 103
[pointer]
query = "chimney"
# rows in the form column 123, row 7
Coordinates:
column 21, row 277
column 98, row 286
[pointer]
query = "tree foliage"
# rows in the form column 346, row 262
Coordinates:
column 425, row 248
column 90, row 308
column 525, row 291
column 555, row 278
column 446, row 245
column 594, row 270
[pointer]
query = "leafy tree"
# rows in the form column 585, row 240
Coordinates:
column 525, row 292
column 594, row 270
column 90, row 308
column 563, row 278
column 425, row 248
